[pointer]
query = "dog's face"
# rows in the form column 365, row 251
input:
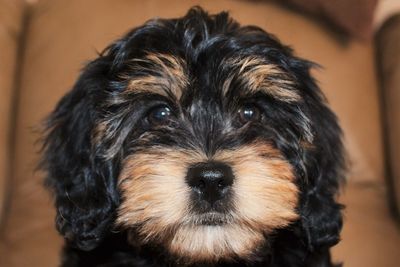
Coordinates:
column 203, row 173
column 196, row 135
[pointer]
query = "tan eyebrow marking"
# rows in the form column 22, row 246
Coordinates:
column 260, row 76
column 165, row 75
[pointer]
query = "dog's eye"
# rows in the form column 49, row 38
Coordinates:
column 249, row 113
column 160, row 115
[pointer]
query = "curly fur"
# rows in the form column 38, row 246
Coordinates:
column 204, row 67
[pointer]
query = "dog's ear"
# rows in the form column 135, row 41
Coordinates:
column 83, row 183
column 324, row 164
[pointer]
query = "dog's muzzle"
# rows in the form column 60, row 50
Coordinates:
column 210, row 184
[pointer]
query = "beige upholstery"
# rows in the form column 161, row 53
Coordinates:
column 388, row 61
column 369, row 238
column 62, row 35
column 10, row 30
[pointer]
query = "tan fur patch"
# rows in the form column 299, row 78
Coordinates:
column 264, row 189
column 259, row 76
column 98, row 133
column 155, row 194
column 156, row 199
column 167, row 76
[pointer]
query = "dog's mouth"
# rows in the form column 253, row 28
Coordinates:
column 212, row 219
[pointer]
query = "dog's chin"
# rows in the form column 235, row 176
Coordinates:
column 209, row 238
column 214, row 240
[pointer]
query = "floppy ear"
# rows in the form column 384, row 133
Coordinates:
column 321, row 217
column 83, row 183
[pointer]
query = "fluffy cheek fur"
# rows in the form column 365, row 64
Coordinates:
column 156, row 201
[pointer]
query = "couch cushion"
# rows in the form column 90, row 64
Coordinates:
column 10, row 31
column 370, row 238
column 353, row 17
column 62, row 35
column 388, row 62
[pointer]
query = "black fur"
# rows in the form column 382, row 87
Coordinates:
column 83, row 174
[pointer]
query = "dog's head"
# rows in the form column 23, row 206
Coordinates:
column 197, row 135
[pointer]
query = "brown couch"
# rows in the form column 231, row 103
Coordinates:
column 43, row 45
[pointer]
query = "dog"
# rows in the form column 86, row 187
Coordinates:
column 195, row 142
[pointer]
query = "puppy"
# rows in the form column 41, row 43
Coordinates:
column 195, row 142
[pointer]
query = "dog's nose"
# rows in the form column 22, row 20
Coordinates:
column 210, row 180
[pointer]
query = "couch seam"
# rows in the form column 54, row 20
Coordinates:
column 14, row 112
column 389, row 176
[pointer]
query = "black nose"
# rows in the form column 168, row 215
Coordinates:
column 210, row 180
